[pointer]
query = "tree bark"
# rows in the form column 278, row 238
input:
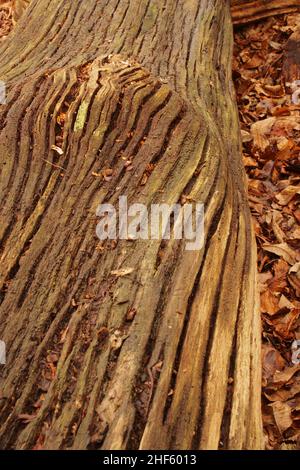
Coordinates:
column 167, row 356
column 247, row 11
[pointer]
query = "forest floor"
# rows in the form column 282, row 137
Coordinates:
column 269, row 109
column 270, row 120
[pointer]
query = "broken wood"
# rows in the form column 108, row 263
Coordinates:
column 110, row 82
column 247, row 11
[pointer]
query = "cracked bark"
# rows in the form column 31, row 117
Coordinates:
column 108, row 82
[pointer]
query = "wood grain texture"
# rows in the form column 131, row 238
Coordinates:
column 112, row 81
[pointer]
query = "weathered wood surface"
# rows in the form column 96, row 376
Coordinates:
column 112, row 81
column 243, row 11
column 246, row 11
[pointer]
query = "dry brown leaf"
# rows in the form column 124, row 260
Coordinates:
column 285, row 125
column 283, row 393
column 294, row 280
column 255, row 62
column 57, row 149
column 263, row 278
column 131, row 314
column 282, row 415
column 269, row 303
column 259, row 130
column 122, row 272
column 285, row 251
column 272, row 361
column 249, row 161
column 285, row 196
column 284, row 376
column 281, row 268
column 26, row 418
column 273, row 129
column 117, row 339
column 283, row 143
column 295, row 268
column 285, row 303
column 107, row 172
column 246, row 136
column 276, row 217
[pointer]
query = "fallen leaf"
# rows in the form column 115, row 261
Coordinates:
column 284, row 302
column 26, row 418
column 283, row 250
column 269, row 303
column 57, row 149
column 117, row 339
column 284, row 376
column 259, row 130
column 295, row 268
column 107, row 172
column 246, row 136
column 144, row 179
column 131, row 314
column 285, row 196
column 294, row 280
column 282, row 414
column 122, row 272
column 272, row 361
column 283, row 393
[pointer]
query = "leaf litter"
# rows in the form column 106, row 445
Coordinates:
column 269, row 110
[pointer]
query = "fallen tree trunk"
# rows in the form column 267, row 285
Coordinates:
column 243, row 11
column 132, row 344
column 247, row 11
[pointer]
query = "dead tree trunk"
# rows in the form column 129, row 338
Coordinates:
column 246, row 11
column 167, row 356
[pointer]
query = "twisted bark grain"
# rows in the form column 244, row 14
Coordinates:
column 110, row 82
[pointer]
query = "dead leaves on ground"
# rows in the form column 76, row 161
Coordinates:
column 10, row 12
column 281, row 399
column 270, row 119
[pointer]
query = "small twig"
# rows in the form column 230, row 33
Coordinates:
column 157, row 368
column 54, row 164
column 149, row 370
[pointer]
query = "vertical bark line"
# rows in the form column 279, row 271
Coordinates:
column 142, row 89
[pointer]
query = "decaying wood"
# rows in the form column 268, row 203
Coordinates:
column 243, row 11
column 167, row 355
column 246, row 11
